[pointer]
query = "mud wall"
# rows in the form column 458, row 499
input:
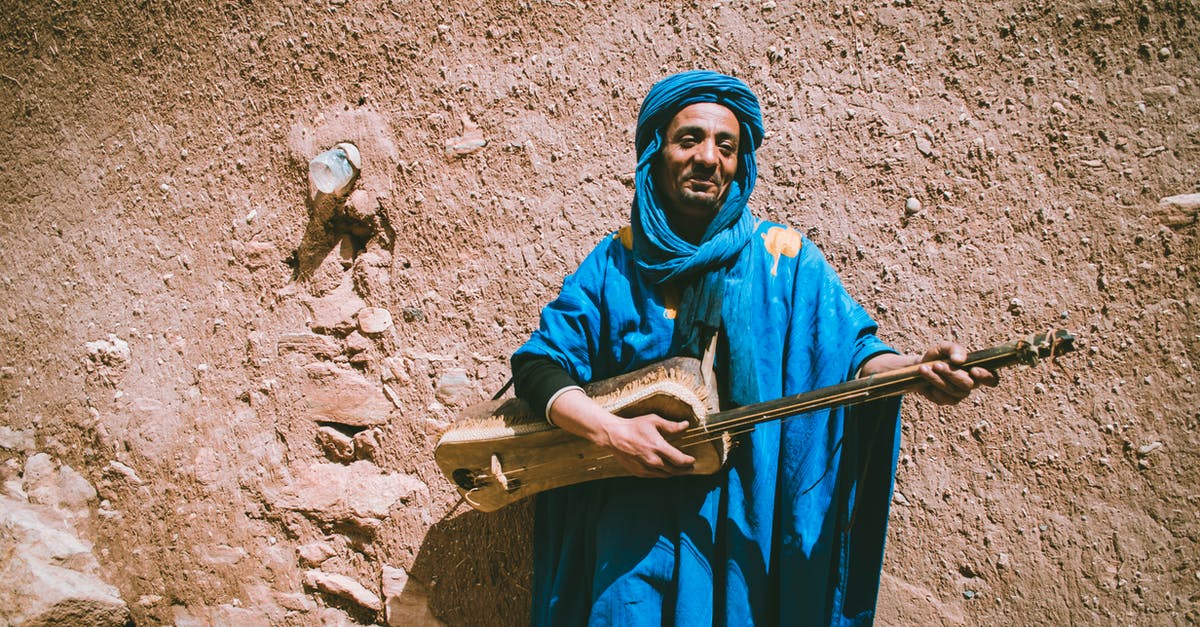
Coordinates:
column 274, row 370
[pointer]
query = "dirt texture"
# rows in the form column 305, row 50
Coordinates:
column 173, row 298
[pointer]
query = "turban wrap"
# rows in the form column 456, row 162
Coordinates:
column 662, row 256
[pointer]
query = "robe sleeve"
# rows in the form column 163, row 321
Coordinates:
column 569, row 330
column 866, row 347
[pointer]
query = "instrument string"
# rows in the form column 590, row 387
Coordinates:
column 702, row 434
column 734, row 427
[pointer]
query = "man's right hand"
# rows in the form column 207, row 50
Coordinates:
column 638, row 444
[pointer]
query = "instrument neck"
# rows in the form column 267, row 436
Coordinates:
column 883, row 385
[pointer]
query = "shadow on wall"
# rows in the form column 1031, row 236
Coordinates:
column 336, row 222
column 478, row 567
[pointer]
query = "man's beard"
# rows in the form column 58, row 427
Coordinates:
column 702, row 201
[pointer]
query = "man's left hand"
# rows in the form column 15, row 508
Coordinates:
column 945, row 384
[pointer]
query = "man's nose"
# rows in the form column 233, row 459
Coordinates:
column 706, row 152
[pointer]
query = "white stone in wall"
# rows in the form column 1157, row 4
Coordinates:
column 374, row 320
column 454, row 387
column 366, row 443
column 50, row 575
column 121, row 470
column 344, row 587
column 357, row 343
column 58, row 486
column 219, row 554
column 111, row 352
column 359, row 494
column 314, row 553
column 16, row 439
column 205, row 616
column 310, row 345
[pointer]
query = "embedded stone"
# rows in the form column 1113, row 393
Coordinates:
column 1179, row 211
column 207, row 467
column 341, row 395
column 254, row 255
column 359, row 494
column 1161, row 92
column 111, row 352
column 455, row 388
column 357, row 343
column 361, row 205
column 373, row 320
column 924, row 145
column 219, row 554
column 308, row 344
column 50, row 575
column 117, row 468
column 224, row 614
column 366, row 443
column 343, row 587
column 1182, row 201
column 338, row 446
column 58, row 486
column 394, row 369
column 334, row 313
column 314, row 553
column 16, row 440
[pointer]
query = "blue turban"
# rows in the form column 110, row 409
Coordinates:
column 663, row 256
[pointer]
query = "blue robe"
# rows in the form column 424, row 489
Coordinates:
column 792, row 532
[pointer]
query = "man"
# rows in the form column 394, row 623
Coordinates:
column 792, row 531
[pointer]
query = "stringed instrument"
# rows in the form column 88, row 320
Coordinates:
column 502, row 451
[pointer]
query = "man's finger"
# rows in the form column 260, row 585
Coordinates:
column 938, row 396
column 959, row 380
column 676, row 457
column 635, row 466
column 942, row 378
column 671, row 426
column 985, row 376
column 929, row 372
column 652, row 466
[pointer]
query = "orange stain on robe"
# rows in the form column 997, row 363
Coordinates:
column 781, row 241
column 670, row 293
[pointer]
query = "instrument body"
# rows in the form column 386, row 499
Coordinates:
column 502, row 451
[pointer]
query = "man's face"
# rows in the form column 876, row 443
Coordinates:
column 699, row 159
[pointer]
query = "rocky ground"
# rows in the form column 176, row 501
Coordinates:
column 221, row 392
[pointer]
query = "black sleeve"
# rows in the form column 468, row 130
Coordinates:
column 536, row 379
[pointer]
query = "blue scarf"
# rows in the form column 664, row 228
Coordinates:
column 662, row 256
